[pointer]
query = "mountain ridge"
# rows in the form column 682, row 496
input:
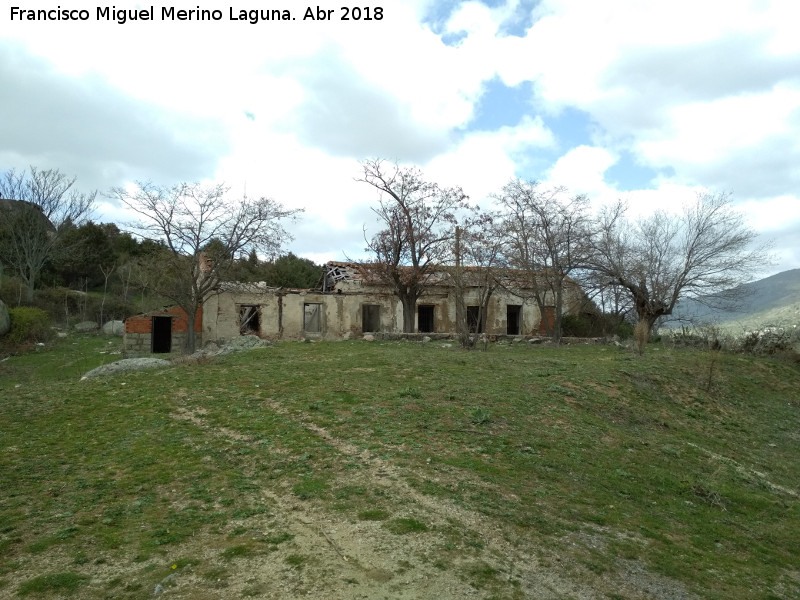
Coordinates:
column 771, row 301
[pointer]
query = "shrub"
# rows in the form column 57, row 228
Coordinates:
column 67, row 306
column 115, row 308
column 480, row 416
column 62, row 304
column 29, row 324
column 576, row 325
column 769, row 340
column 12, row 290
column 595, row 325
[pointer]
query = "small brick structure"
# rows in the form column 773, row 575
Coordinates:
column 160, row 331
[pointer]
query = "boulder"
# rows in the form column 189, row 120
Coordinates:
column 114, row 328
column 84, row 326
column 5, row 321
column 368, row 337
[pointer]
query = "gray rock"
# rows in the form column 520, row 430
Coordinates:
column 244, row 342
column 5, row 321
column 426, row 339
column 114, row 328
column 368, row 337
column 85, row 326
column 125, row 365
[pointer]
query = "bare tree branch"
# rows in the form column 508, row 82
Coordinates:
column 203, row 232
column 703, row 254
column 33, row 226
column 418, row 219
column 546, row 233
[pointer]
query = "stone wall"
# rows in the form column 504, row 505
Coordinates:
column 139, row 344
column 282, row 313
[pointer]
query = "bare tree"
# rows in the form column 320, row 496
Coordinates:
column 610, row 298
column 418, row 219
column 186, row 218
column 106, row 270
column 546, row 233
column 475, row 275
column 703, row 254
column 39, row 206
column 125, row 272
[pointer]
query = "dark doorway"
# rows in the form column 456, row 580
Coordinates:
column 513, row 319
column 162, row 335
column 425, row 318
column 370, row 317
column 476, row 319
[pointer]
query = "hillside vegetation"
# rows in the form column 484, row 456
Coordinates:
column 772, row 301
column 401, row 470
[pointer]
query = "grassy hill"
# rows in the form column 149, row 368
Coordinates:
column 401, row 470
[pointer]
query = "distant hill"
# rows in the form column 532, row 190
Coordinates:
column 774, row 300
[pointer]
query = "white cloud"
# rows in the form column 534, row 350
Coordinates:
column 582, row 170
column 699, row 135
column 484, row 161
column 706, row 91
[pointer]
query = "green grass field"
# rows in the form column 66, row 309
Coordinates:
column 401, row 469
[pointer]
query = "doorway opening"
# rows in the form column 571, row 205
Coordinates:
column 161, row 335
column 513, row 319
column 425, row 318
column 476, row 319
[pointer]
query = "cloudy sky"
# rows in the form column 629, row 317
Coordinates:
column 645, row 100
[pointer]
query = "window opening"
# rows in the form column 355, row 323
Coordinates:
column 312, row 318
column 370, row 317
column 249, row 320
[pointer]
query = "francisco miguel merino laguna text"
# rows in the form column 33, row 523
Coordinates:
column 170, row 13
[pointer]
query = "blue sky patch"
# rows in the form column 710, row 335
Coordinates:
column 521, row 21
column 517, row 25
column 501, row 105
column 628, row 175
column 571, row 128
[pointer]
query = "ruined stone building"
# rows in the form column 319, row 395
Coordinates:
column 349, row 303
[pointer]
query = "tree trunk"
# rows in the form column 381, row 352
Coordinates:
column 559, row 309
column 642, row 331
column 409, row 313
column 190, row 336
